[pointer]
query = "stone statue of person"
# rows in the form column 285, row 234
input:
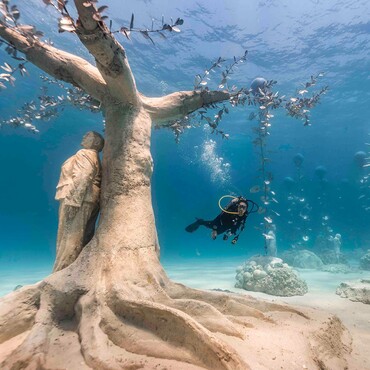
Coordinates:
column 271, row 248
column 78, row 192
column 337, row 243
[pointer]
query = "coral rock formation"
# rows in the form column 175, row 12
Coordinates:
column 356, row 291
column 269, row 275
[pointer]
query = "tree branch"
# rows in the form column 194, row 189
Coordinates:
column 57, row 63
column 110, row 56
column 180, row 104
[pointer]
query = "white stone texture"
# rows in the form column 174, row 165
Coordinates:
column 356, row 291
column 269, row 275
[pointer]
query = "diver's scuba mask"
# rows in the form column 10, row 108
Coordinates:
column 242, row 208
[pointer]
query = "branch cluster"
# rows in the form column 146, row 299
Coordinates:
column 8, row 76
column 67, row 23
column 49, row 107
column 264, row 98
column 145, row 32
column 200, row 84
column 9, row 17
column 178, row 126
column 201, row 80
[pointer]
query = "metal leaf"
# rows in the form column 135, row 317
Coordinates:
column 179, row 22
column 67, row 28
column 146, row 35
column 15, row 12
column 175, row 29
column 132, row 22
column 102, row 8
column 61, row 4
column 65, row 21
column 125, row 31
column 6, row 67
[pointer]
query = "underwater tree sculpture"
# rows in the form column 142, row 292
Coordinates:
column 114, row 307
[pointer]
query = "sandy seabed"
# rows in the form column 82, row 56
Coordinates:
column 219, row 273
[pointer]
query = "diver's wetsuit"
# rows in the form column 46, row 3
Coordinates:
column 224, row 222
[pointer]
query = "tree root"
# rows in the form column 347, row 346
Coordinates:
column 113, row 332
column 230, row 304
column 97, row 350
column 18, row 311
column 124, row 327
column 180, row 330
column 207, row 315
column 31, row 353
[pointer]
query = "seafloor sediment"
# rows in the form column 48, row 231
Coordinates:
column 269, row 346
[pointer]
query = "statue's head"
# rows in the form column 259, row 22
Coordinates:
column 360, row 158
column 93, row 140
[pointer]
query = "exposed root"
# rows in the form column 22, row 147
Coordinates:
column 179, row 329
column 31, row 353
column 138, row 340
column 18, row 311
column 232, row 303
column 44, row 310
column 206, row 315
column 113, row 333
column 97, row 349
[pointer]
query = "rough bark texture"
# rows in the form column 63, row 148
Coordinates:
column 57, row 63
column 114, row 307
column 109, row 55
column 179, row 104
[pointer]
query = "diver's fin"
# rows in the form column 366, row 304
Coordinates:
column 194, row 226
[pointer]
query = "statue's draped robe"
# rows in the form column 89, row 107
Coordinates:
column 271, row 244
column 79, row 186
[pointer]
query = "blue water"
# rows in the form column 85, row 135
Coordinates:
column 286, row 42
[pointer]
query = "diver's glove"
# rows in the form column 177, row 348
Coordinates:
column 235, row 240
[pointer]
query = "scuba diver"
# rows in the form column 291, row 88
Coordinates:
column 230, row 220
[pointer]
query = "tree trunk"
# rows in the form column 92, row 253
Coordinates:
column 127, row 219
column 114, row 307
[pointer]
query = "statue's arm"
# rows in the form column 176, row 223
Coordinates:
column 109, row 55
column 57, row 63
column 180, row 104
